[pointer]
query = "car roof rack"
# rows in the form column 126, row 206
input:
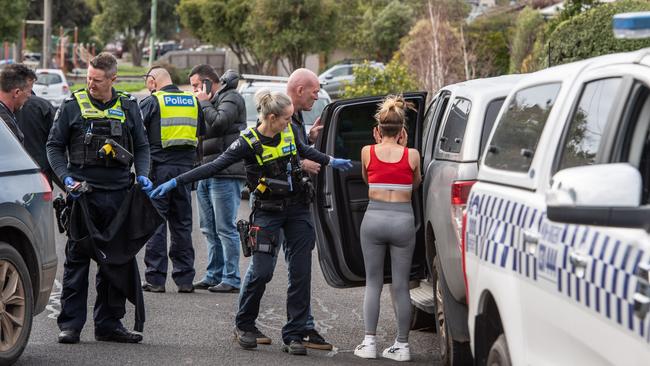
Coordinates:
column 252, row 78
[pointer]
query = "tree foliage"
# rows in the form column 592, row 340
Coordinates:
column 395, row 78
column 11, row 18
column 488, row 43
column 130, row 20
column 590, row 34
column 528, row 28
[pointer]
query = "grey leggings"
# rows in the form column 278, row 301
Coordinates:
column 388, row 225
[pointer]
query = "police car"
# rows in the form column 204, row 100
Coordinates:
column 556, row 249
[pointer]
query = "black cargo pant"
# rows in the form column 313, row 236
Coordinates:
column 176, row 208
column 298, row 229
column 110, row 302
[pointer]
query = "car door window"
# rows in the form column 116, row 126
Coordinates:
column 355, row 130
column 636, row 137
column 47, row 79
column 452, row 136
column 341, row 71
column 491, row 114
column 516, row 136
column 588, row 123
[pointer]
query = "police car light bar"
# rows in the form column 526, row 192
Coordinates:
column 632, row 25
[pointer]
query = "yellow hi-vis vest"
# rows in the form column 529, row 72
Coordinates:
column 89, row 111
column 265, row 154
column 179, row 113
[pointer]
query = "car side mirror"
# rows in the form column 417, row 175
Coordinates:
column 604, row 195
column 329, row 77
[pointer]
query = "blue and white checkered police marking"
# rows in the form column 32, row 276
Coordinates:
column 495, row 235
column 178, row 100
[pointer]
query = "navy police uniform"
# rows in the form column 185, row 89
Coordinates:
column 81, row 127
column 173, row 121
column 273, row 211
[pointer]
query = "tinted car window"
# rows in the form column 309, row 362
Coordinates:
column 355, row 130
column 520, row 127
column 589, row 122
column 491, row 114
column 452, row 136
column 341, row 71
column 47, row 79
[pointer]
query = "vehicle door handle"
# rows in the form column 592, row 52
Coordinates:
column 328, row 200
column 579, row 262
column 641, row 297
column 530, row 242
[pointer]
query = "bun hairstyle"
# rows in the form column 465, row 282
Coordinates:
column 391, row 116
column 268, row 102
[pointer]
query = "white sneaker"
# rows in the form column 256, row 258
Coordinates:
column 366, row 350
column 397, row 353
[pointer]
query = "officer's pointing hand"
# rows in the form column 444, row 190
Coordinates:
column 145, row 183
column 163, row 189
column 341, row 164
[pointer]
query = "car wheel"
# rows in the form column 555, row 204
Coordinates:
column 499, row 355
column 451, row 352
column 16, row 304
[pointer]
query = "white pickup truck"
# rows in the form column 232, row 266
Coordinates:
column 557, row 245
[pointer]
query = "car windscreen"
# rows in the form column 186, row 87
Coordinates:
column 14, row 158
column 47, row 79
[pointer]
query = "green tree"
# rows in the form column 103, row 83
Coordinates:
column 11, row 18
column 374, row 29
column 528, row 28
column 487, row 39
column 395, row 78
column 130, row 20
column 590, row 34
column 222, row 22
column 292, row 29
column 67, row 14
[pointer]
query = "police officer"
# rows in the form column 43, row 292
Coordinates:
column 281, row 197
column 81, row 128
column 173, row 121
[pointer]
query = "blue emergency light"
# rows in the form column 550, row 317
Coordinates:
column 632, row 25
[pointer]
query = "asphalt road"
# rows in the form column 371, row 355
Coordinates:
column 196, row 329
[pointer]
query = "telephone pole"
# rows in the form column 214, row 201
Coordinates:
column 47, row 32
column 152, row 40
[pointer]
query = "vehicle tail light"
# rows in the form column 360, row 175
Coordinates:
column 463, row 254
column 459, row 195
column 47, row 190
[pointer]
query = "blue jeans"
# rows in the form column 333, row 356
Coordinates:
column 219, row 200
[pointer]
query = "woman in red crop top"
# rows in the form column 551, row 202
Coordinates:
column 392, row 171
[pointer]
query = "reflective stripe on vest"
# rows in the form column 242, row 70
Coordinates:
column 179, row 113
column 286, row 147
column 89, row 111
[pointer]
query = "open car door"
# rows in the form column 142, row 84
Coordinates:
column 342, row 197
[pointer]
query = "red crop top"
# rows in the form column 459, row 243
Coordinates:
column 392, row 176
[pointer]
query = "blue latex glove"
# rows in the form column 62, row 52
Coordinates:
column 163, row 189
column 341, row 164
column 69, row 182
column 145, row 183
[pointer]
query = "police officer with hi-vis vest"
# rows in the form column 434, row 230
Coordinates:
column 281, row 197
column 173, row 121
column 101, row 131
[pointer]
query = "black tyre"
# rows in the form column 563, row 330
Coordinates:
column 452, row 353
column 499, row 355
column 16, row 304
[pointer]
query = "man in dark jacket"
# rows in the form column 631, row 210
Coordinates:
column 90, row 129
column 224, row 113
column 173, row 121
column 35, row 121
column 16, row 83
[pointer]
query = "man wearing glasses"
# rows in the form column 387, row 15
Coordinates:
column 16, row 83
column 174, row 122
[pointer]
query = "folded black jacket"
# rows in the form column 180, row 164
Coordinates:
column 115, row 248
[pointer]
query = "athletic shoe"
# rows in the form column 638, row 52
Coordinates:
column 314, row 340
column 366, row 350
column 396, row 353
